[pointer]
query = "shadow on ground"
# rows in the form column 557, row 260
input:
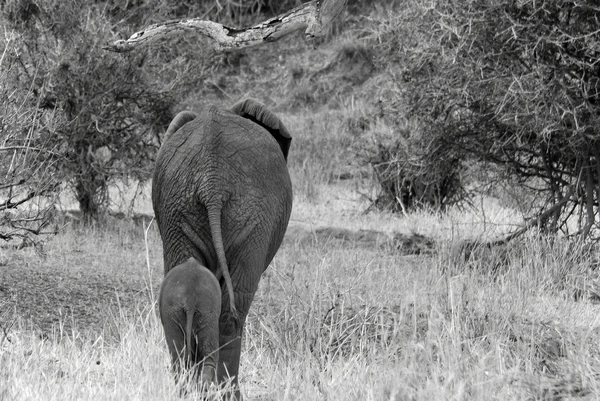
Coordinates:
column 406, row 244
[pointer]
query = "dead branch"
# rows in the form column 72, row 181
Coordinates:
column 34, row 149
column 9, row 204
column 313, row 17
column 466, row 247
column 533, row 222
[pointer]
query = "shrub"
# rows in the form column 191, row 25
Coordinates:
column 107, row 111
column 416, row 173
column 509, row 83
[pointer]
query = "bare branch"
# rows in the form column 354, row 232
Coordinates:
column 535, row 221
column 9, row 204
column 9, row 148
column 313, row 17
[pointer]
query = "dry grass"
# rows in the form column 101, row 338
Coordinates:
column 331, row 320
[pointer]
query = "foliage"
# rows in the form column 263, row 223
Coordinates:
column 106, row 110
column 313, row 86
column 239, row 13
column 80, row 116
column 511, row 83
column 508, row 87
column 416, row 171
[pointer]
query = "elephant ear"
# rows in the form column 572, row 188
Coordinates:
column 179, row 121
column 258, row 113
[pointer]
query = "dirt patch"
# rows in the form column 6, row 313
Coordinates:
column 406, row 244
column 47, row 298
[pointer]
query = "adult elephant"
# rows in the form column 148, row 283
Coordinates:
column 222, row 194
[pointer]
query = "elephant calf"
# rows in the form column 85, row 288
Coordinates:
column 190, row 305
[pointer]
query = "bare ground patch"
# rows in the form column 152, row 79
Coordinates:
column 46, row 297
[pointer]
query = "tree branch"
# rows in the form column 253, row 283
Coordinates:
column 20, row 147
column 9, row 204
column 535, row 221
column 313, row 17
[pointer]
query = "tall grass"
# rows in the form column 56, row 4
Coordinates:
column 330, row 321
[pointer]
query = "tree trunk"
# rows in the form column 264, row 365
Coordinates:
column 90, row 191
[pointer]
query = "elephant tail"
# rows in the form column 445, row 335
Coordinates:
column 214, row 221
column 189, row 321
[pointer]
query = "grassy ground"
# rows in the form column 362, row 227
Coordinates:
column 335, row 318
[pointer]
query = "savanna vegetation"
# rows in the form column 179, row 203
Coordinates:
column 421, row 130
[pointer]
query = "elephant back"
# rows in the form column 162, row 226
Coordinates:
column 258, row 113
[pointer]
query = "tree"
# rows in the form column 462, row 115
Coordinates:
column 513, row 84
column 106, row 110
column 26, row 158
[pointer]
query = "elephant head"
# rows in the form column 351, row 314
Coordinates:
column 190, row 305
column 222, row 194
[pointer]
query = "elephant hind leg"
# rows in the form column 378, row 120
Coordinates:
column 228, row 368
column 230, row 342
column 175, row 336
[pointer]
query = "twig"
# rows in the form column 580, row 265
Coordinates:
column 26, row 147
column 146, row 230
